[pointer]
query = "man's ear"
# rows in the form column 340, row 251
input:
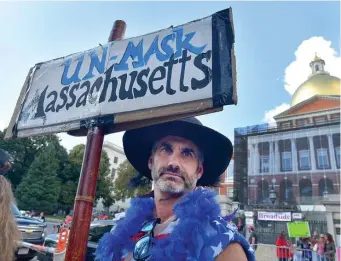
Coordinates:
column 150, row 162
column 200, row 170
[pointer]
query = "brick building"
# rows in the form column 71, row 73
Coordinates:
column 297, row 157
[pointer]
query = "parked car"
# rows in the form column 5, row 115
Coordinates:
column 32, row 231
column 97, row 230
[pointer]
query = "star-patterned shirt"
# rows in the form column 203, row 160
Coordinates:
column 221, row 234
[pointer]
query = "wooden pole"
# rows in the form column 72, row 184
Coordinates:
column 84, row 201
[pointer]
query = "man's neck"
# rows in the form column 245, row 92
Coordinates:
column 164, row 204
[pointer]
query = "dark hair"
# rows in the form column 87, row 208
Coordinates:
column 329, row 237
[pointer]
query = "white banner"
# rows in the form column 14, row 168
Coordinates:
column 274, row 216
column 172, row 66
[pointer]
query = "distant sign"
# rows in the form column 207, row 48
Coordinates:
column 298, row 229
column 191, row 63
column 274, row 216
column 297, row 216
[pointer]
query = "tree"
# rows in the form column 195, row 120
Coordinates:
column 23, row 152
column 104, row 186
column 129, row 183
column 40, row 188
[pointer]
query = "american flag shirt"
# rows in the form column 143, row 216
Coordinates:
column 226, row 234
column 198, row 233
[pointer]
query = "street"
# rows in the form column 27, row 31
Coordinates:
column 50, row 230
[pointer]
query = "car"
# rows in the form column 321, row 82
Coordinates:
column 32, row 231
column 97, row 230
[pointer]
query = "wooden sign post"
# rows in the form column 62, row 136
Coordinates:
column 84, row 201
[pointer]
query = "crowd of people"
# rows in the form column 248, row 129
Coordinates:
column 316, row 248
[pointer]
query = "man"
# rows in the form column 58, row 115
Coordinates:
column 253, row 238
column 179, row 220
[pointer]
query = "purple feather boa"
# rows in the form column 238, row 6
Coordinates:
column 195, row 211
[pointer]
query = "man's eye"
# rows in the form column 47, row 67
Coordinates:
column 187, row 153
column 166, row 148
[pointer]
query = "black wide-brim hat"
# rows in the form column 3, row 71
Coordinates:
column 216, row 148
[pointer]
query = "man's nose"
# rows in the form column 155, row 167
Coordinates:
column 174, row 162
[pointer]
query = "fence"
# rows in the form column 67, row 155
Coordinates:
column 267, row 252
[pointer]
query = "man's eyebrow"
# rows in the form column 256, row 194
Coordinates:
column 165, row 144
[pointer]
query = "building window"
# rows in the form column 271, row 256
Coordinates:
column 322, row 158
column 230, row 170
column 286, row 160
column 264, row 164
column 115, row 160
column 337, row 154
column 320, row 120
column 300, row 123
column 230, row 193
column 304, row 159
column 285, row 125
column 113, row 172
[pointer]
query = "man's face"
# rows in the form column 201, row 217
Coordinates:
column 175, row 165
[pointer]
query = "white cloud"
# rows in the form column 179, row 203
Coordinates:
column 268, row 116
column 298, row 71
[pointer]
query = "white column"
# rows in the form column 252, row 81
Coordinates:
column 277, row 158
column 312, row 153
column 257, row 159
column 271, row 157
column 294, row 155
column 251, row 159
column 331, row 152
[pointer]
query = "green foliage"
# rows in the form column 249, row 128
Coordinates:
column 40, row 188
column 104, row 186
column 23, row 152
column 122, row 186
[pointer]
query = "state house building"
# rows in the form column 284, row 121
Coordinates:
column 298, row 157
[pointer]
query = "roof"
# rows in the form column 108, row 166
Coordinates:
column 314, row 104
column 112, row 146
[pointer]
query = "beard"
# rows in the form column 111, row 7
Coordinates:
column 172, row 185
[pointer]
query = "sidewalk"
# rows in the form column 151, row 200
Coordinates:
column 266, row 253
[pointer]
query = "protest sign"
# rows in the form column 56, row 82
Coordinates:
column 298, row 229
column 183, row 70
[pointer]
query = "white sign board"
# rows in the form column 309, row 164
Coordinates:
column 249, row 221
column 174, row 66
column 274, row 216
column 296, row 215
column 248, row 213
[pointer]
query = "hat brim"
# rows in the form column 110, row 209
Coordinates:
column 216, row 148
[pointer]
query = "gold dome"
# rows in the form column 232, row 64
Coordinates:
column 319, row 83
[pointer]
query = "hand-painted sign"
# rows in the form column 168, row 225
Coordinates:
column 274, row 216
column 174, row 66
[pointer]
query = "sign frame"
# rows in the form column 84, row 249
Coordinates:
column 224, row 92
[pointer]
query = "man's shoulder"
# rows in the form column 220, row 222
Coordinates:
column 221, row 234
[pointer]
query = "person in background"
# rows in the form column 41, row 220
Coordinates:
column 283, row 252
column 42, row 216
column 307, row 249
column 329, row 249
column 9, row 232
column 253, row 238
column 320, row 247
column 314, row 245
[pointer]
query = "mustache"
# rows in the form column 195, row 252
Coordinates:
column 172, row 170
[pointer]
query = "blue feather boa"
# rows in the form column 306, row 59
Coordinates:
column 195, row 211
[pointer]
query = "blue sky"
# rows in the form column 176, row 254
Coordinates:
column 267, row 37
